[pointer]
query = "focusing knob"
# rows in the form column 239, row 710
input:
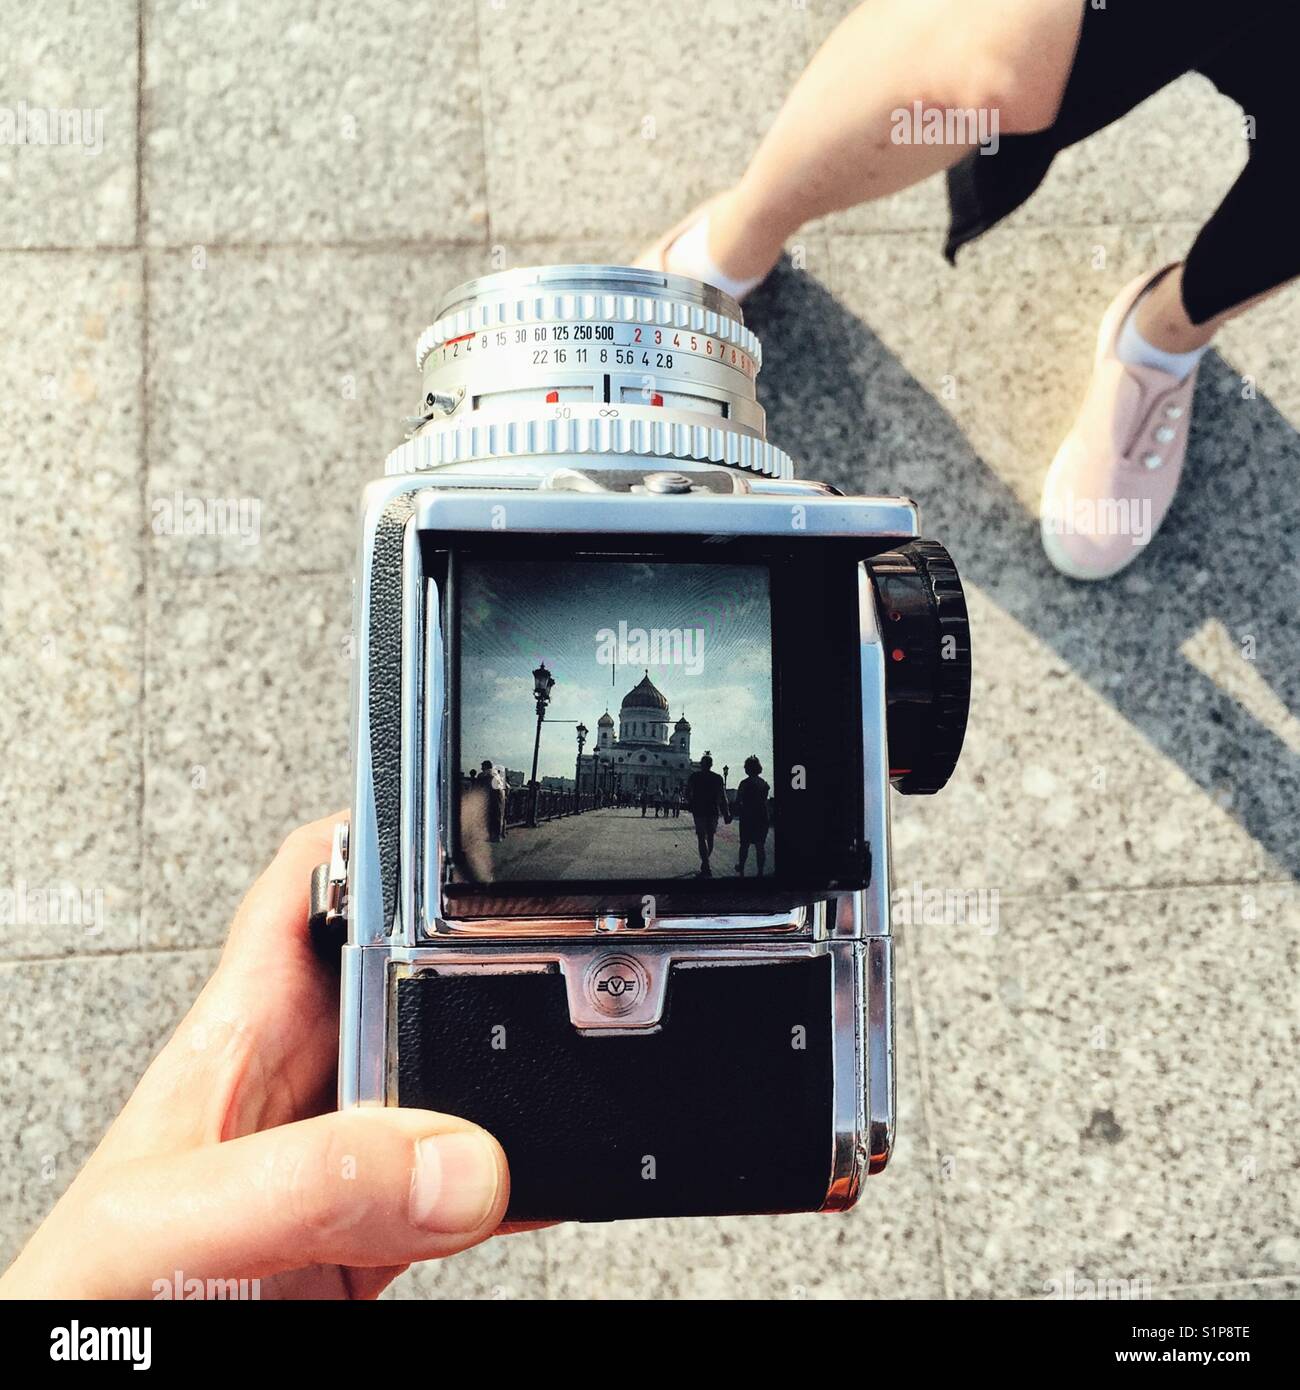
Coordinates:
column 926, row 636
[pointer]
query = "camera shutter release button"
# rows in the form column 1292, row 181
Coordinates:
column 667, row 483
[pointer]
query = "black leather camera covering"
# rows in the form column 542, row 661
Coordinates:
column 718, row 1113
column 385, row 637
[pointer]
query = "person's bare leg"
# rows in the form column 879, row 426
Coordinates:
column 1162, row 320
column 831, row 145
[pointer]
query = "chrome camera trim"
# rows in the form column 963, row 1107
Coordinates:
column 853, row 929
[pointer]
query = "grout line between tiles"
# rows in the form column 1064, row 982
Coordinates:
column 125, row 953
column 930, row 1149
column 911, row 950
column 1049, row 894
column 483, row 130
column 1265, row 1280
column 139, row 123
column 146, row 400
column 400, row 244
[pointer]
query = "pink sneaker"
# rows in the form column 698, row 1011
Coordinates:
column 1116, row 473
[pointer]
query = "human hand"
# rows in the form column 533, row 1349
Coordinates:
column 228, row 1161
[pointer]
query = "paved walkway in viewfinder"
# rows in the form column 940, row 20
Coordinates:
column 615, row 843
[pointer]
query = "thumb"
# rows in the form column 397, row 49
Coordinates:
column 375, row 1187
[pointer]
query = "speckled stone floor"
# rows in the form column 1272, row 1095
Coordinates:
column 221, row 300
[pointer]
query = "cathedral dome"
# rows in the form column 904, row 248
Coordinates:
column 605, row 721
column 682, row 727
column 645, row 695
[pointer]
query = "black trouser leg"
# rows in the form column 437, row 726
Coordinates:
column 1249, row 245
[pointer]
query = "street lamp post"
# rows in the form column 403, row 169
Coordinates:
column 577, row 770
column 543, row 683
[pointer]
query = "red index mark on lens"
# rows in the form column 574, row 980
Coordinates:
column 461, row 339
column 898, row 654
column 656, row 399
column 552, row 398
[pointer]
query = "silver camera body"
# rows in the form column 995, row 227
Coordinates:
column 702, row 1047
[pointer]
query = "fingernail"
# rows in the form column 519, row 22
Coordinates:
column 455, row 1182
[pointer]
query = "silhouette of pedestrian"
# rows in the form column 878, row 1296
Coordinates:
column 707, row 798
column 494, row 779
column 751, row 810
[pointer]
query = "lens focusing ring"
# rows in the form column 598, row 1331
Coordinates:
column 584, row 432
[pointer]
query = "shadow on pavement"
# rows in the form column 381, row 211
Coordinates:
column 1227, row 552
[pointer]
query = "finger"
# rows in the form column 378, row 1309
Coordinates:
column 274, row 911
column 366, row 1188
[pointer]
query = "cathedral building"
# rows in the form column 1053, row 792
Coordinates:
column 647, row 755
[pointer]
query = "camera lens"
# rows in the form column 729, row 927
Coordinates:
column 568, row 363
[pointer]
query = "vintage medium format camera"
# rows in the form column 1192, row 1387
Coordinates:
column 628, row 700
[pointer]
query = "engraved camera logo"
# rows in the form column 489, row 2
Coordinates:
column 615, row 985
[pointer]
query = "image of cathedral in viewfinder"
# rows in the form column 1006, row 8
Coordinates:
column 578, row 757
column 646, row 754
